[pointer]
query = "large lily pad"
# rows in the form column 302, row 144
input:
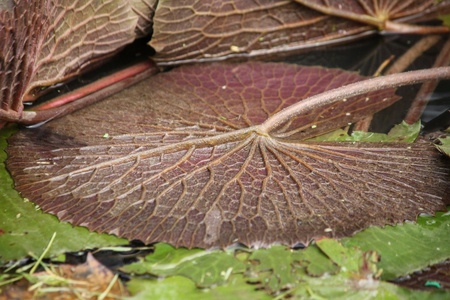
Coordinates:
column 205, row 157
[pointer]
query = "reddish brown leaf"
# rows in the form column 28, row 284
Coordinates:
column 44, row 42
column 181, row 158
column 208, row 29
column 145, row 9
column 376, row 12
column 212, row 29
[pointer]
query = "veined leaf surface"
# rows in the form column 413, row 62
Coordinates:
column 45, row 42
column 182, row 158
column 374, row 12
column 186, row 31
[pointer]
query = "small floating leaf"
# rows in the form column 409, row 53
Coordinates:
column 445, row 145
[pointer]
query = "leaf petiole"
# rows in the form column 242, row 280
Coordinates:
column 357, row 88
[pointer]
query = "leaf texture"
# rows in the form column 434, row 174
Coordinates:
column 445, row 146
column 181, row 158
column 407, row 248
column 24, row 228
column 204, row 30
column 373, row 11
column 47, row 41
column 210, row 29
column 144, row 9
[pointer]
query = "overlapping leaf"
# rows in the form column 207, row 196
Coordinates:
column 145, row 9
column 199, row 30
column 276, row 267
column 445, row 146
column 178, row 287
column 401, row 133
column 402, row 249
column 44, row 42
column 326, row 269
column 409, row 247
column 211, row 29
column 166, row 261
column 374, row 12
column 181, row 158
column 357, row 279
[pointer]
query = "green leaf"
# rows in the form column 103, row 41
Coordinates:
column 445, row 147
column 446, row 20
column 341, row 286
column 403, row 133
column 205, row 268
column 357, row 278
column 179, row 287
column 349, row 259
column 277, row 267
column 316, row 262
column 24, row 228
column 407, row 247
column 280, row 267
column 338, row 135
column 403, row 249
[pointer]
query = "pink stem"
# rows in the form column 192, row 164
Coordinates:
column 147, row 69
column 358, row 88
column 97, row 85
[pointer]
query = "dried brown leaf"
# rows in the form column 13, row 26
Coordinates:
column 181, row 158
column 84, row 281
